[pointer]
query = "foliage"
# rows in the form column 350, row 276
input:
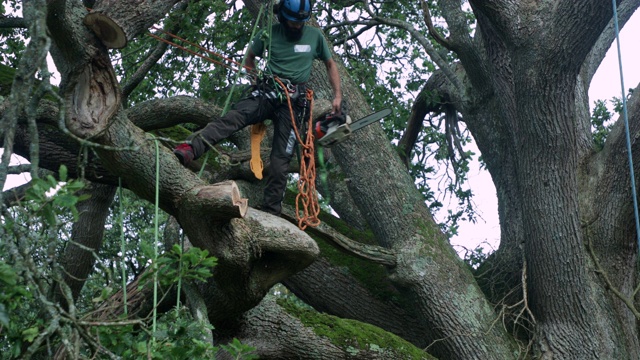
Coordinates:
column 601, row 121
column 11, row 39
column 27, row 261
column 14, row 297
column 391, row 68
column 27, row 264
column 239, row 351
column 475, row 257
column 224, row 36
column 194, row 264
column 177, row 336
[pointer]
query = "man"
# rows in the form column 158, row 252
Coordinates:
column 294, row 46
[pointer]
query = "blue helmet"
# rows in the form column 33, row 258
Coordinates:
column 295, row 10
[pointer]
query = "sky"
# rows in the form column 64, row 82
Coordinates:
column 605, row 85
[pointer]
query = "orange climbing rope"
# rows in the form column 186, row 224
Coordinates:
column 307, row 197
column 240, row 66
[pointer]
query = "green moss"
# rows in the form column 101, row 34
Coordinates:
column 354, row 336
column 365, row 237
column 177, row 133
column 370, row 275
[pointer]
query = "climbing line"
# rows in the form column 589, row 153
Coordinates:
column 626, row 127
column 200, row 47
column 155, row 241
column 179, row 291
column 122, row 247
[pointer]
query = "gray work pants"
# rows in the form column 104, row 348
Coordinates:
column 260, row 105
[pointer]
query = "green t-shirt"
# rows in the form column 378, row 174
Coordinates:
column 292, row 60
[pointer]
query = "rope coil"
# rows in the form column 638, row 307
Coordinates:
column 307, row 198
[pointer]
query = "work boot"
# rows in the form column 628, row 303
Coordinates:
column 185, row 154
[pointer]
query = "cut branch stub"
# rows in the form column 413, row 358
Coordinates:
column 221, row 201
column 116, row 22
column 111, row 35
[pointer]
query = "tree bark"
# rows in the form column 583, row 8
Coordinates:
column 281, row 334
column 86, row 236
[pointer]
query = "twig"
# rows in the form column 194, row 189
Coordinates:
column 432, row 30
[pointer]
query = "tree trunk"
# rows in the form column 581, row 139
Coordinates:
column 86, row 236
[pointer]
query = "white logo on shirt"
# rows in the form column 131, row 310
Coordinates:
column 302, row 48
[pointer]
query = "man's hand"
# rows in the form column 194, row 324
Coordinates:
column 336, row 105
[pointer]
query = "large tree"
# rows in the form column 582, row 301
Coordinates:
column 562, row 283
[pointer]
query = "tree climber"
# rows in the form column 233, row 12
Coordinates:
column 293, row 47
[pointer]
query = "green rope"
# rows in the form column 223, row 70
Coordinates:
column 122, row 247
column 180, row 269
column 270, row 26
column 155, row 241
column 324, row 174
column 626, row 126
column 243, row 63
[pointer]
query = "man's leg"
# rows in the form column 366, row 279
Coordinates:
column 247, row 111
column 284, row 143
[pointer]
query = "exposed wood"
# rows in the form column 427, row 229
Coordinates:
column 221, row 201
column 109, row 32
column 116, row 22
column 93, row 99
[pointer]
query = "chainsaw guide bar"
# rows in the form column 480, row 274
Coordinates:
column 337, row 132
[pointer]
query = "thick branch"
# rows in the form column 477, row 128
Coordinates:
column 12, row 22
column 606, row 39
column 116, row 22
column 154, row 56
column 253, row 255
column 432, row 30
column 86, row 237
column 278, row 334
column 427, row 101
column 376, row 254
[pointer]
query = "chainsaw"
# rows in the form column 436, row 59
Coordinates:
column 335, row 128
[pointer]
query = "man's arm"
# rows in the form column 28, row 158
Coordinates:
column 334, row 79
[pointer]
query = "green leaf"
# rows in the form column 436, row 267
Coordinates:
column 30, row 334
column 65, row 200
column 49, row 215
column 141, row 347
column 4, row 316
column 7, row 275
column 63, row 173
